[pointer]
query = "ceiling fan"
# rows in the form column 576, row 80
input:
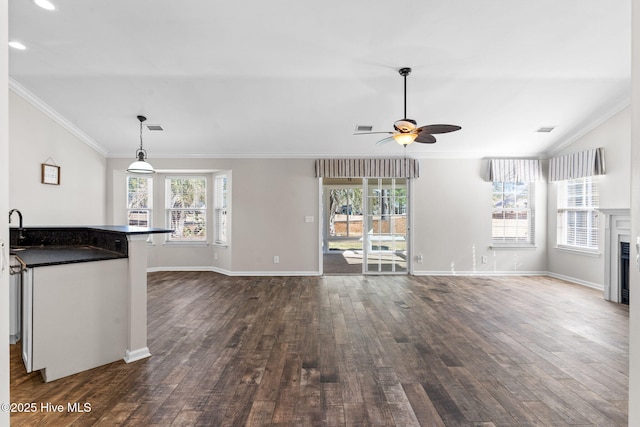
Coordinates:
column 407, row 130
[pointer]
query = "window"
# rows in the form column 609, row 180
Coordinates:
column 139, row 198
column 512, row 213
column 186, row 199
column 577, row 213
column 220, row 210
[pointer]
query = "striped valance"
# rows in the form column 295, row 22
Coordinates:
column 367, row 168
column 514, row 170
column 577, row 165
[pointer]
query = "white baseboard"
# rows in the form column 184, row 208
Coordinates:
column 479, row 273
column 135, row 355
column 13, row 339
column 236, row 273
column 577, row 281
column 187, row 268
column 512, row 273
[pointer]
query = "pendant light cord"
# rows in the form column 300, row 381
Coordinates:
column 141, row 150
column 141, row 134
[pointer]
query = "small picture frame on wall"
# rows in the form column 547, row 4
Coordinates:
column 50, row 174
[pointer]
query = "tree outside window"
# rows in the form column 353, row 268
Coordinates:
column 187, row 208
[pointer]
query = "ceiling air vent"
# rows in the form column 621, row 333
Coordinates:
column 364, row 128
column 155, row 127
column 546, row 129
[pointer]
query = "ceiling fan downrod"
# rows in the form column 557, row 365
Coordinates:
column 404, row 72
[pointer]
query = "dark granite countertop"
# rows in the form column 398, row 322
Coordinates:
column 129, row 229
column 123, row 229
column 39, row 256
column 40, row 246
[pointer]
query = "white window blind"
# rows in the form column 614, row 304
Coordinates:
column 186, row 199
column 578, row 201
column 513, row 221
column 139, row 200
column 220, row 210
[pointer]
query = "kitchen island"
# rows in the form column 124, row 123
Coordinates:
column 84, row 296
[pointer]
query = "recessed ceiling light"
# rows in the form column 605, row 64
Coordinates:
column 17, row 45
column 45, row 4
column 545, row 129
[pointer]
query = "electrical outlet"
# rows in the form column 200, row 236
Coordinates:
column 215, row 256
column 419, row 258
column 484, row 259
column 276, row 259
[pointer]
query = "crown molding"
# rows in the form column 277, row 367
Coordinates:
column 575, row 136
column 46, row 109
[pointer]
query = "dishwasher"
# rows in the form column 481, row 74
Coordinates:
column 15, row 299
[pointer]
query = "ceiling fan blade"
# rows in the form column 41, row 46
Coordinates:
column 438, row 128
column 385, row 140
column 370, row 133
column 425, row 138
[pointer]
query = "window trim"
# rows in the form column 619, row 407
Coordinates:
column 217, row 198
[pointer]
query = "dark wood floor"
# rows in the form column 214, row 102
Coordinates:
column 354, row 350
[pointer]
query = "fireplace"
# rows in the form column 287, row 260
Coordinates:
column 624, row 272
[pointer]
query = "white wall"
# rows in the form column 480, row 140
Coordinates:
column 634, row 281
column 270, row 202
column 34, row 138
column 452, row 208
column 615, row 136
column 270, row 199
column 4, row 207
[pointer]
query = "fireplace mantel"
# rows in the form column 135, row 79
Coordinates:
column 617, row 229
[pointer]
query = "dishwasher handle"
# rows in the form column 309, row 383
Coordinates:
column 17, row 268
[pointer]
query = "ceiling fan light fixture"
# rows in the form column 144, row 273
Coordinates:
column 405, row 138
column 141, row 166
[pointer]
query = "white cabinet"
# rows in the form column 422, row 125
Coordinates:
column 75, row 316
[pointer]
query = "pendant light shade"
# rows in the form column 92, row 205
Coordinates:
column 140, row 166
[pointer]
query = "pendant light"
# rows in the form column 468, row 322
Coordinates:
column 141, row 166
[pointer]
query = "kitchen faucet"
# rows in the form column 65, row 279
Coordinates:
column 20, row 228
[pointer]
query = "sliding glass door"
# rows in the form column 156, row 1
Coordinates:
column 365, row 226
column 386, row 218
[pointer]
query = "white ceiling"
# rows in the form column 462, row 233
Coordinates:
column 292, row 78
